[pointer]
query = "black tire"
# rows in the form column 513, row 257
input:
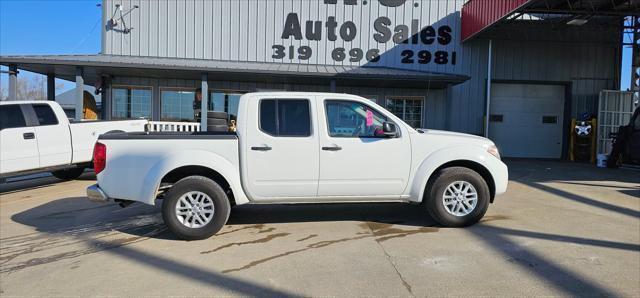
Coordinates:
column 217, row 128
column 68, row 174
column 207, row 186
column 214, row 115
column 437, row 187
column 217, row 115
column 216, row 121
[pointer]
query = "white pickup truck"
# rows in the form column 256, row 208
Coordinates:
column 299, row 148
column 36, row 136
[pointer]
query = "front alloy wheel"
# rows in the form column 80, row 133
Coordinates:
column 457, row 197
column 460, row 198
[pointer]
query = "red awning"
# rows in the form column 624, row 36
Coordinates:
column 478, row 15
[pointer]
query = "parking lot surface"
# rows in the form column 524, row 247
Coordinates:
column 561, row 229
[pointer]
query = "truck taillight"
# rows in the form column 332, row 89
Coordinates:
column 99, row 157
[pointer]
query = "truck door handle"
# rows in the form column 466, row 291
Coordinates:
column 28, row 136
column 332, row 148
column 261, row 148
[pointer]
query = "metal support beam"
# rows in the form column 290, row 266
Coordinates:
column 79, row 93
column 578, row 12
column 13, row 82
column 488, row 111
column 204, row 104
column 51, row 87
column 106, row 98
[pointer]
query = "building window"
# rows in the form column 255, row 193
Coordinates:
column 409, row 109
column 177, row 105
column 225, row 101
column 131, row 103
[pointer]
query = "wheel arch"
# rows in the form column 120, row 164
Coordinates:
column 469, row 164
column 179, row 173
column 473, row 157
column 188, row 163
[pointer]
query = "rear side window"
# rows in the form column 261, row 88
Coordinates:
column 45, row 115
column 11, row 117
column 285, row 117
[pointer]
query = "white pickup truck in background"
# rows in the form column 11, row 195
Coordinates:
column 36, row 136
column 299, row 148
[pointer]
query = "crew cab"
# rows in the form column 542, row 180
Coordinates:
column 292, row 147
column 36, row 136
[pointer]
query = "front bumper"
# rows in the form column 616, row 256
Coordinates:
column 94, row 193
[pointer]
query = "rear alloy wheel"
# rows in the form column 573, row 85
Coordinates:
column 68, row 174
column 195, row 208
column 457, row 197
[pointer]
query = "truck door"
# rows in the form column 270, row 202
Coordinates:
column 356, row 159
column 281, row 148
column 18, row 142
column 54, row 138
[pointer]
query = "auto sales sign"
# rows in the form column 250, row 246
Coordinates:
column 389, row 37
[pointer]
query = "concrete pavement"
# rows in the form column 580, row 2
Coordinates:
column 561, row 229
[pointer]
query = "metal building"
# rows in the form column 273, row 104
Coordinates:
column 519, row 68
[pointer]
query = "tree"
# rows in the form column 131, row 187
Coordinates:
column 34, row 88
column 30, row 88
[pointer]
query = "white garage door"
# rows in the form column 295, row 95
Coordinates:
column 526, row 120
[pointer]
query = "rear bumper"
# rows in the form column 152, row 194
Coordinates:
column 94, row 193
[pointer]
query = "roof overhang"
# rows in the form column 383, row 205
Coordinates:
column 480, row 15
column 96, row 66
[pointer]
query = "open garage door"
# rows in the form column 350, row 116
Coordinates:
column 526, row 120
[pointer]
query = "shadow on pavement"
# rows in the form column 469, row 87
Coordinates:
column 19, row 184
column 383, row 213
column 562, row 279
column 535, row 174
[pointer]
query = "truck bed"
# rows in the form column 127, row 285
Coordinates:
column 169, row 135
column 142, row 159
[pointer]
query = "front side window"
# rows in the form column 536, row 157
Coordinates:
column 353, row 119
column 177, row 105
column 285, row 117
column 45, row 115
column 11, row 117
column 131, row 103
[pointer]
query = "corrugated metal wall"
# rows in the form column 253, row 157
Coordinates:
column 246, row 30
column 584, row 58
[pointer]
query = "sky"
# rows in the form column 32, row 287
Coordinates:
column 41, row 27
column 32, row 27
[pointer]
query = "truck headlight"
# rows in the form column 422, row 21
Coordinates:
column 493, row 150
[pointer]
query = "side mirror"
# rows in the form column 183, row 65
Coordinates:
column 389, row 130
